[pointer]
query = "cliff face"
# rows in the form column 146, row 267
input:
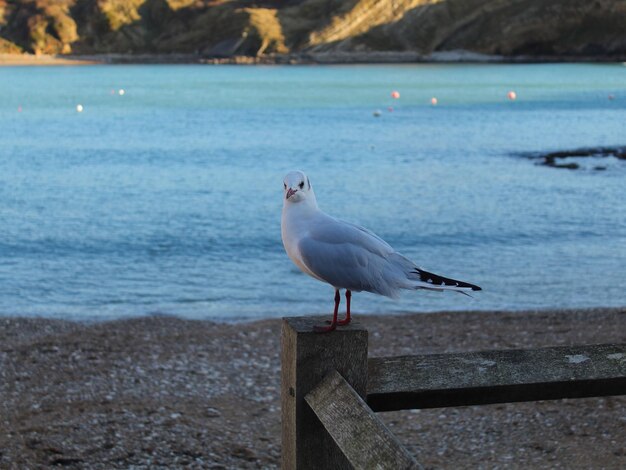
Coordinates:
column 225, row 28
column 504, row 27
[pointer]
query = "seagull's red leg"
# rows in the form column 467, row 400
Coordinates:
column 346, row 320
column 333, row 324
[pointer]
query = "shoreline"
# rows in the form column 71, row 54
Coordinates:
column 164, row 392
column 344, row 58
column 248, row 321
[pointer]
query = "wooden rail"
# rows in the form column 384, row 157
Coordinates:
column 481, row 378
column 354, row 427
column 330, row 390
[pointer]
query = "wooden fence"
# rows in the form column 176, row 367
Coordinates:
column 331, row 390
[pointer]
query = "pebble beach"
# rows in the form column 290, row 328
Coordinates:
column 163, row 392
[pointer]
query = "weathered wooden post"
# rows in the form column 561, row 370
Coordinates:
column 307, row 358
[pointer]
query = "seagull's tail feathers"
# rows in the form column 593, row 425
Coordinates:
column 427, row 280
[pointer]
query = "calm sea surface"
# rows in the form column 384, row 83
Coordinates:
column 167, row 199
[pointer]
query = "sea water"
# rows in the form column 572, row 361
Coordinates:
column 166, row 199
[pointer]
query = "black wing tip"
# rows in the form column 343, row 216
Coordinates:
column 437, row 280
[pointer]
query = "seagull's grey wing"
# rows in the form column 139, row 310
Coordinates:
column 350, row 257
column 330, row 230
column 373, row 241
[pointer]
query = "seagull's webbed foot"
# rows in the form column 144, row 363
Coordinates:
column 344, row 322
column 325, row 329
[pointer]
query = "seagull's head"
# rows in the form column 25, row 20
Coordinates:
column 297, row 188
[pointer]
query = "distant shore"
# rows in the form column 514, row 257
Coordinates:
column 34, row 60
column 293, row 59
column 164, row 392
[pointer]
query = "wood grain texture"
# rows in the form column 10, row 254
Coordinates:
column 361, row 436
column 478, row 378
column 307, row 358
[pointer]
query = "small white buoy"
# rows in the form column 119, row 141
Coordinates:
column 377, row 113
column 433, row 101
column 512, row 95
column 79, row 108
column 121, row 92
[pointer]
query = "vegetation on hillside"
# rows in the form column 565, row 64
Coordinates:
column 223, row 28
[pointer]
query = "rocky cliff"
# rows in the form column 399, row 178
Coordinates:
column 225, row 28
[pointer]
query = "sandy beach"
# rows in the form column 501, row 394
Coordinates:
column 33, row 60
column 343, row 58
column 163, row 392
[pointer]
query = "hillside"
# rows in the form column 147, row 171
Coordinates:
column 226, row 28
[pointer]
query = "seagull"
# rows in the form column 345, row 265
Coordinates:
column 347, row 256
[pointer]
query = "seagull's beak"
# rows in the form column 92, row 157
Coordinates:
column 291, row 192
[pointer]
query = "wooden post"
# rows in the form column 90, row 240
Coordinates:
column 307, row 358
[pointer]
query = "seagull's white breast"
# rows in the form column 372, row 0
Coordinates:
column 293, row 227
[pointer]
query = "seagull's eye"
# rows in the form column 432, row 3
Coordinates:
column 285, row 185
column 301, row 185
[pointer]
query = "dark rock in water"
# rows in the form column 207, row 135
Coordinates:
column 562, row 158
column 569, row 166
